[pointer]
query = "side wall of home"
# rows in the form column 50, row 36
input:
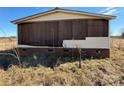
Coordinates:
column 48, row 37
column 52, row 33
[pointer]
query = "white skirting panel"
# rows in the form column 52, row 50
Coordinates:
column 89, row 42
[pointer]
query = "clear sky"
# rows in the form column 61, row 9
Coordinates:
column 8, row 14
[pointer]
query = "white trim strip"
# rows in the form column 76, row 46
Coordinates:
column 30, row 46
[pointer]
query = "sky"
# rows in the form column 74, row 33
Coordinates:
column 8, row 14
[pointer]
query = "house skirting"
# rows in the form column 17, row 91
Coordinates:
column 60, row 51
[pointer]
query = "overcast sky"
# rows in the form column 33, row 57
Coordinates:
column 8, row 14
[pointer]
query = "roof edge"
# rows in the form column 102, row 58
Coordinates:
column 109, row 17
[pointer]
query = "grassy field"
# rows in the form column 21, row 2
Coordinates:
column 7, row 43
column 104, row 72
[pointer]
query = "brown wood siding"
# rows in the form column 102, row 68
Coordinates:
column 79, row 29
column 19, row 34
column 52, row 33
column 23, row 34
column 65, row 31
column 97, row 28
column 105, row 28
column 29, row 39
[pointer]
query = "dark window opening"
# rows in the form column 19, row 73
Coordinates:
column 98, row 51
column 66, row 50
column 50, row 50
column 24, row 49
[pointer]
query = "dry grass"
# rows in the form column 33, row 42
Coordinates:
column 93, row 72
column 7, row 43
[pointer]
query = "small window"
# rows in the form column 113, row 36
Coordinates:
column 98, row 51
column 66, row 50
column 24, row 49
column 50, row 50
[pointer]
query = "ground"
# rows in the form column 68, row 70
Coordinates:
column 109, row 71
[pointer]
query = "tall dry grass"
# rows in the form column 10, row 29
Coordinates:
column 108, row 71
column 7, row 43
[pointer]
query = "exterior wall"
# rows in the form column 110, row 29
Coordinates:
column 47, row 37
column 97, row 28
column 87, row 53
column 61, row 16
column 52, row 33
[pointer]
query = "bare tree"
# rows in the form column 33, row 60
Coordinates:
column 120, row 41
column 79, row 50
column 80, row 54
column 77, row 47
column 122, row 35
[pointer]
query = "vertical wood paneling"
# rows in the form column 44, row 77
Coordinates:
column 24, row 33
column 19, row 34
column 42, row 33
column 39, row 35
column 53, row 33
column 97, row 28
column 79, row 28
column 65, row 31
column 27, row 34
column 106, row 28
